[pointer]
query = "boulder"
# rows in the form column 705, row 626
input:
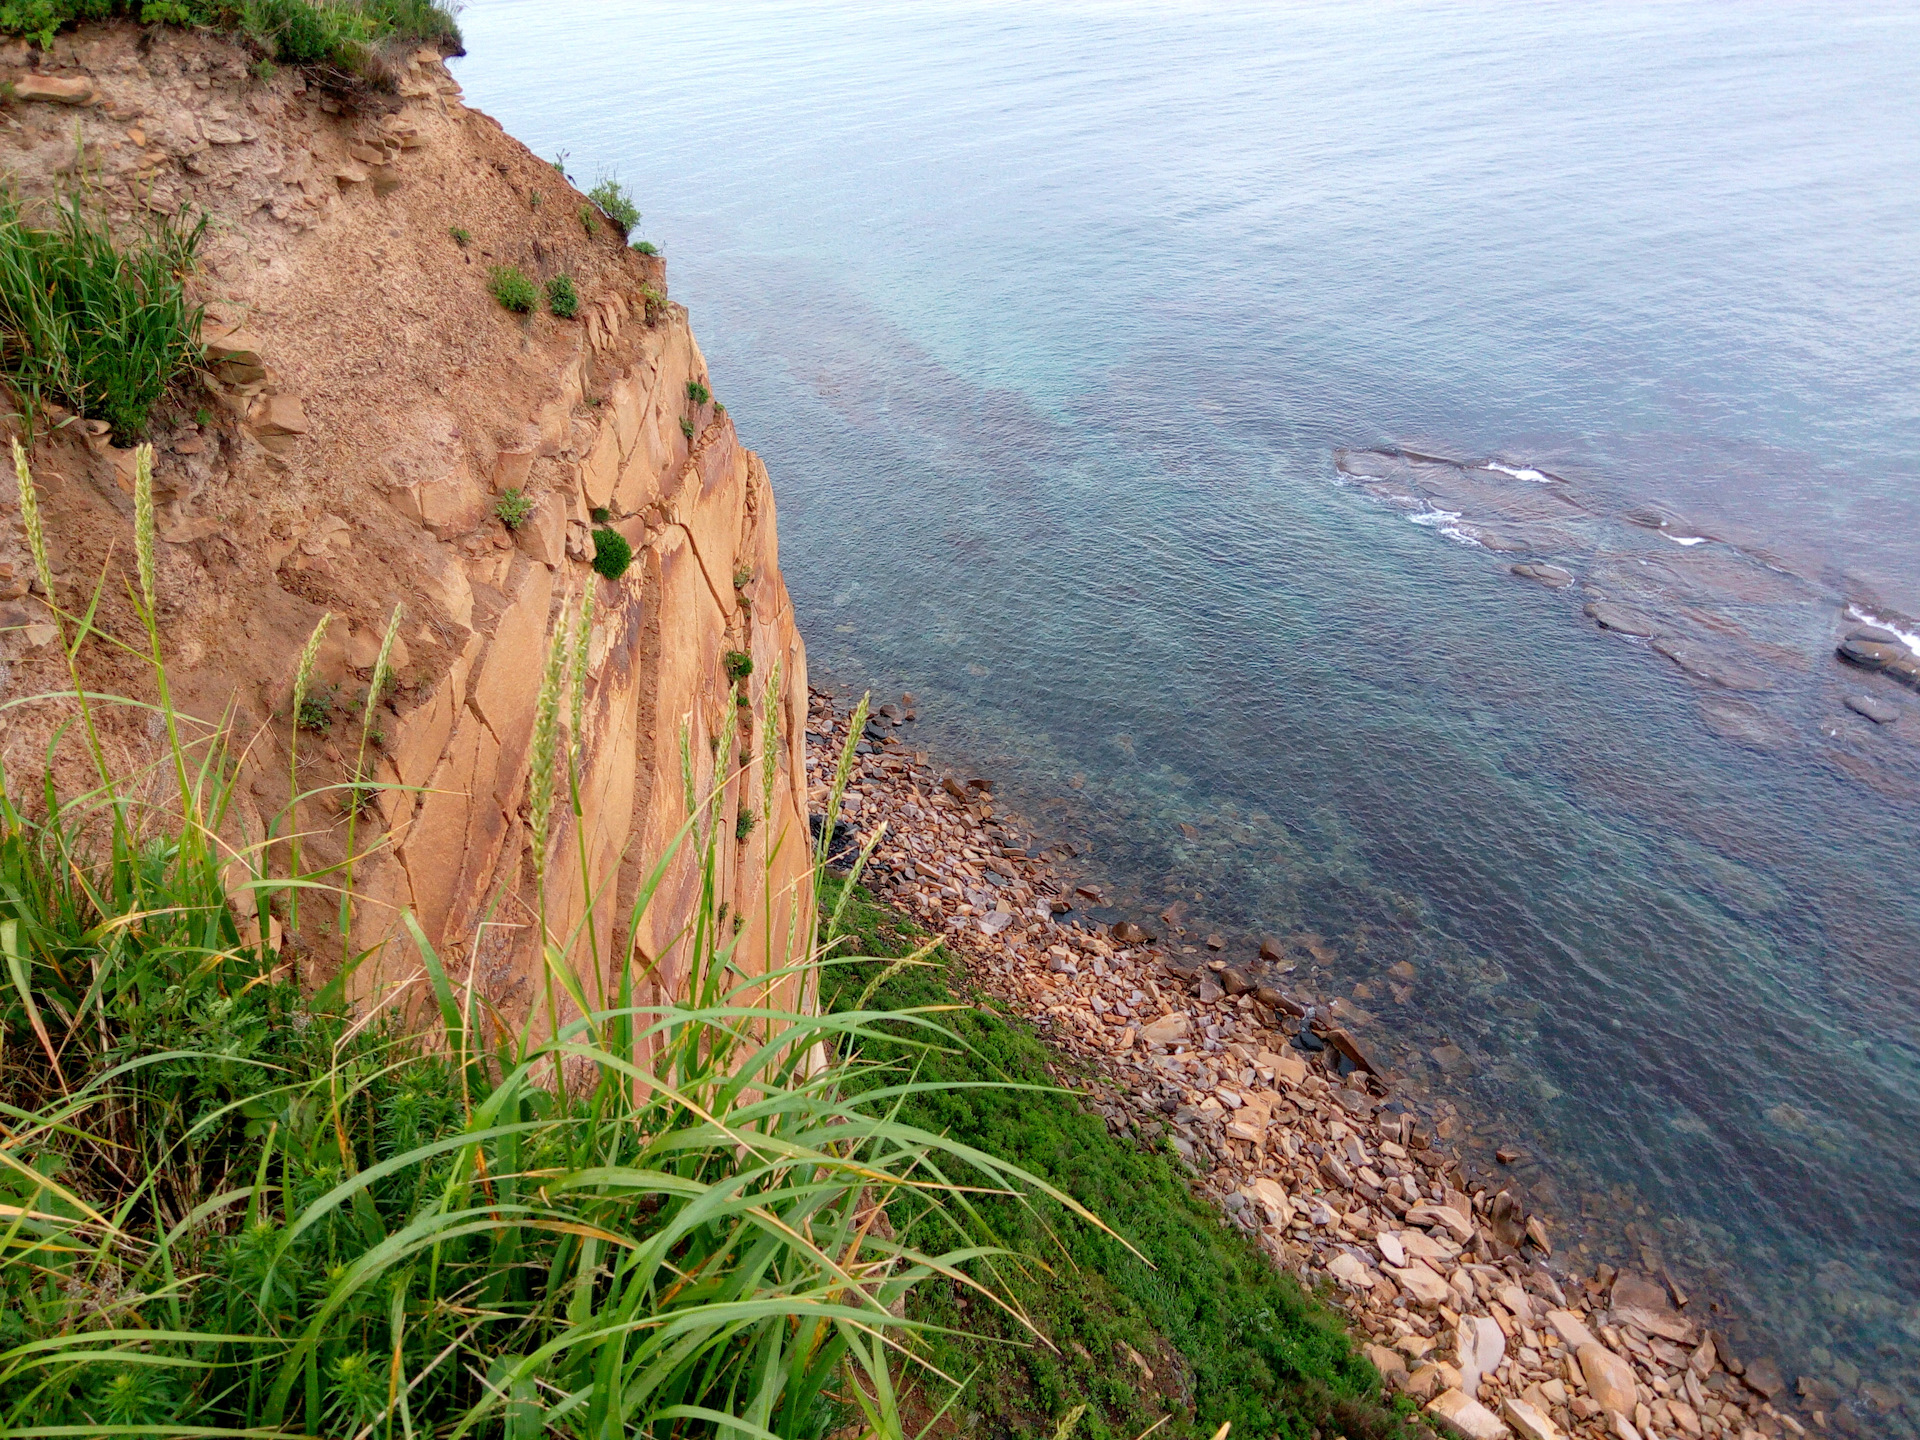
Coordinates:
column 1764, row 1376
column 1609, row 1378
column 1704, row 663
column 1481, row 1346
column 1571, row 1329
column 1871, row 654
column 278, row 415
column 1452, row 1221
column 1391, row 1364
column 1528, row 1421
column 1468, row 1416
column 1355, row 1050
column 79, row 90
column 1421, row 1283
column 1167, row 1029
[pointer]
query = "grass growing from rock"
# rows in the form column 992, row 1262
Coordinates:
column 1226, row 1336
column 87, row 324
column 616, row 204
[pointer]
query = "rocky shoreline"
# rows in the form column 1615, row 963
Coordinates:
column 1291, row 1124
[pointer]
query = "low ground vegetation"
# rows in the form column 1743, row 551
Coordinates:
column 1170, row 1290
column 339, row 34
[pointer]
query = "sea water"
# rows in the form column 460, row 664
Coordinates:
column 1102, row 354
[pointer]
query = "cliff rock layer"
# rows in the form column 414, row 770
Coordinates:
column 366, row 403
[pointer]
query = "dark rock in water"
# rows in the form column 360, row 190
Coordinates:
column 1706, row 664
column 1272, row 949
column 1879, row 711
column 1308, row 1041
column 1648, row 518
column 1609, row 616
column 891, row 713
column 1552, row 576
column 846, row 845
column 1356, row 1050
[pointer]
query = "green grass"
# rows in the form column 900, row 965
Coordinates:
column 698, row 392
column 510, row 286
column 1253, row 1347
column 88, row 324
column 339, row 34
column 645, row 247
column 232, row 1205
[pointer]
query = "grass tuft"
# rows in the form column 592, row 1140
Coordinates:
column 89, row 325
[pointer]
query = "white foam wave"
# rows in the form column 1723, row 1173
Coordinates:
column 1447, row 523
column 1908, row 638
column 1684, row 539
column 1525, row 472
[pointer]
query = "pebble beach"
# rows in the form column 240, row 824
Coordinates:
column 1291, row 1123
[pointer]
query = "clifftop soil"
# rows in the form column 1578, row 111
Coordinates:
column 366, row 401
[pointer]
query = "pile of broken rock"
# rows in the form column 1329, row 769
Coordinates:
column 1452, row 1284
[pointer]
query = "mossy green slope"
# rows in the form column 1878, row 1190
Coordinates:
column 1226, row 1335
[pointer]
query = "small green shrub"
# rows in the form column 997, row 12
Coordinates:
column 562, row 299
column 743, row 577
column 560, row 165
column 461, row 236
column 686, row 427
column 298, row 32
column 513, row 508
column 512, row 288
column 743, row 826
column 316, row 711
column 739, row 665
column 589, row 220
column 611, row 553
column 601, row 514
column 616, row 204
column 655, row 300
column 646, row 247
column 91, row 326
column 698, row 393
column 263, row 70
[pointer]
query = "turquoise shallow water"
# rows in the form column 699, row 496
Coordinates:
column 1087, row 346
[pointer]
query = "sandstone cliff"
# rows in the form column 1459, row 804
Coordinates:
column 367, row 401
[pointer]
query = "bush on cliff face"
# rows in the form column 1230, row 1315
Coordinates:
column 510, row 286
column 611, row 553
column 231, row 1206
column 89, row 325
column 616, row 204
column 562, row 299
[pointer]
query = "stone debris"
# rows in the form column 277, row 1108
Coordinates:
column 1288, row 1122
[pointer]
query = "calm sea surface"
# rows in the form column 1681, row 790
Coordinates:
column 1163, row 394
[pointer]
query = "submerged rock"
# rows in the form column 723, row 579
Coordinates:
column 1552, row 576
column 1609, row 616
column 1881, row 712
column 1706, row 664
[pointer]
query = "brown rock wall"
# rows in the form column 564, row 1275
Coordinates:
column 367, row 403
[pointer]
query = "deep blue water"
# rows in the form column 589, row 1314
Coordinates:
column 1053, row 322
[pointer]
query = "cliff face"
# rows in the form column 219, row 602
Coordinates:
column 367, row 402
